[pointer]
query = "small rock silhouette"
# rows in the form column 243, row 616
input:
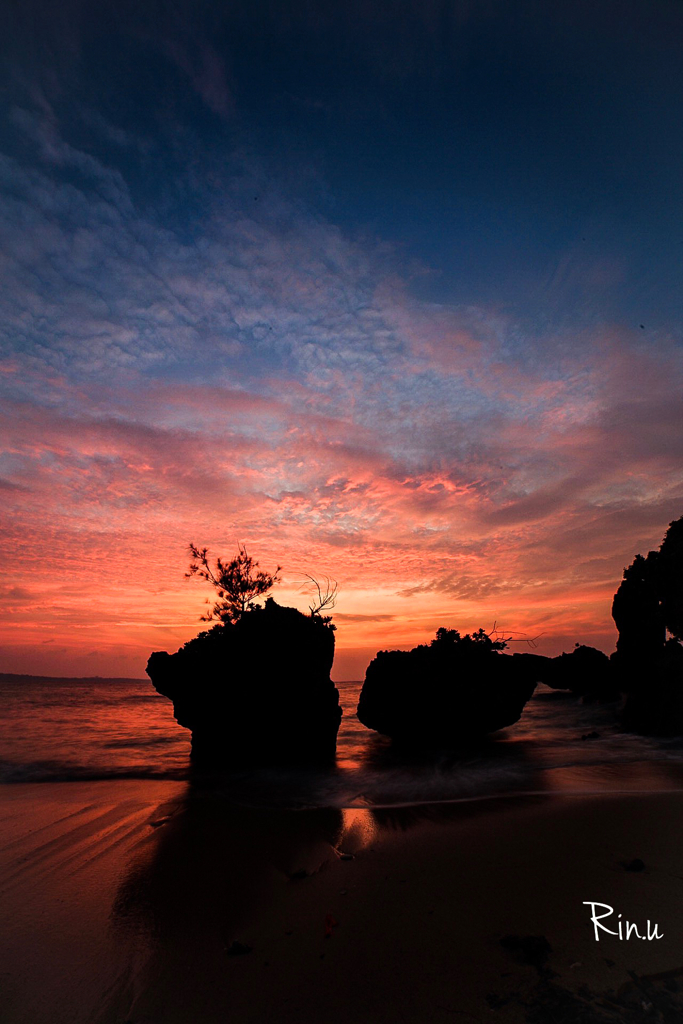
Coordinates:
column 238, row 949
column 633, row 865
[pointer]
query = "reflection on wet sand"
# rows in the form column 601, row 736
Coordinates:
column 218, row 883
column 256, row 914
column 216, row 861
column 213, row 877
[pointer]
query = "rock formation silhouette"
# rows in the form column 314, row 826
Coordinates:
column 648, row 666
column 452, row 691
column 255, row 691
column 585, row 671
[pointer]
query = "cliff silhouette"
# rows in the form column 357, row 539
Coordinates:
column 649, row 665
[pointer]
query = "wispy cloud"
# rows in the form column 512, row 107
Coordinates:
column 275, row 380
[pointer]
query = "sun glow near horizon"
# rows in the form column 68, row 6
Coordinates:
column 522, row 519
column 88, row 631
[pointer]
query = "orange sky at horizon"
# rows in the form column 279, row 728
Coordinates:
column 64, row 622
column 92, row 644
column 526, row 516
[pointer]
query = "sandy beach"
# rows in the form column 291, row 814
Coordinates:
column 161, row 902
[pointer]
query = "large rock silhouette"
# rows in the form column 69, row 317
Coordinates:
column 453, row 691
column 654, row 702
column 257, row 691
column 585, row 671
column 639, row 617
column 649, row 668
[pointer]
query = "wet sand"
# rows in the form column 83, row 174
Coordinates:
column 161, row 902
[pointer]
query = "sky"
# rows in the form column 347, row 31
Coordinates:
column 388, row 292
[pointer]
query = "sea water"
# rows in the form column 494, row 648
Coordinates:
column 69, row 730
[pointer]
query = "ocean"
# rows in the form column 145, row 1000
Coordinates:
column 62, row 730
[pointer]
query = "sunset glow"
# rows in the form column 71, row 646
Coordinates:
column 231, row 355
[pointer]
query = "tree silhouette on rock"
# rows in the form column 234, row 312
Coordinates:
column 238, row 582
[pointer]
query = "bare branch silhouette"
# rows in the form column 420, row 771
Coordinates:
column 514, row 636
column 326, row 589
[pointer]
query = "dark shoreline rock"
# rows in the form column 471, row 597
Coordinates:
column 454, row 692
column 585, row 671
column 654, row 702
column 444, row 695
column 649, row 667
column 257, row 691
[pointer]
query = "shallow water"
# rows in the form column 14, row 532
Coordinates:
column 68, row 730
